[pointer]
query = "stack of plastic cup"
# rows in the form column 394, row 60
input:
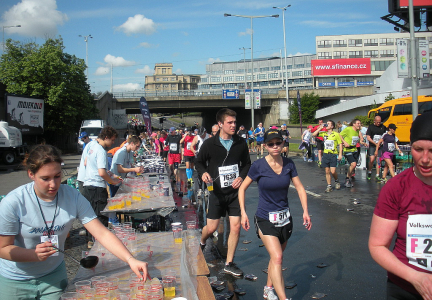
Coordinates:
column 80, row 286
column 103, row 289
column 191, row 227
column 114, row 286
column 177, row 229
column 156, row 290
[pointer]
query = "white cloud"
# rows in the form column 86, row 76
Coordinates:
column 146, row 70
column 148, row 45
column 185, row 33
column 118, row 61
column 138, row 24
column 102, row 71
column 178, row 71
column 247, row 32
column 127, row 87
column 38, row 18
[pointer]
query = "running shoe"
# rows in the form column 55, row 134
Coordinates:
column 202, row 247
column 377, row 178
column 269, row 293
column 337, row 185
column 232, row 269
column 384, row 180
column 369, row 176
column 319, row 164
column 310, row 160
column 348, row 183
column 328, row 189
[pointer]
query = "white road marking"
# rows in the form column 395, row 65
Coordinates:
column 307, row 192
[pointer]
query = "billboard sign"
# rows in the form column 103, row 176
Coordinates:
column 340, row 67
column 402, row 58
column 230, row 94
column 25, row 113
column 326, row 84
column 423, row 57
column 416, row 3
column 346, row 83
column 256, row 101
column 145, row 111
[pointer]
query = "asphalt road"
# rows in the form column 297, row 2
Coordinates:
column 338, row 238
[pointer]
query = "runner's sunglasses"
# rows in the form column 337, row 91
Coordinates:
column 272, row 144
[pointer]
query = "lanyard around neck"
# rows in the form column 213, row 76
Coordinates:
column 43, row 216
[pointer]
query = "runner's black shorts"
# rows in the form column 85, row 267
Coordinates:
column 165, row 154
column 286, row 144
column 268, row 228
column 329, row 160
column 351, row 157
column 371, row 150
column 319, row 144
column 260, row 142
column 190, row 159
column 220, row 204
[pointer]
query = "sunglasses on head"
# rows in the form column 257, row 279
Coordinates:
column 272, row 144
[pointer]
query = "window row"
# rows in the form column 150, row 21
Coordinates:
column 356, row 43
column 356, row 54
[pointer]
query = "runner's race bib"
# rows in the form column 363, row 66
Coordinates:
column 391, row 147
column 227, row 175
column 419, row 241
column 355, row 140
column 173, row 147
column 280, row 218
column 376, row 138
column 188, row 145
column 329, row 145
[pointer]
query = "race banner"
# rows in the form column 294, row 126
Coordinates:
column 145, row 111
column 299, row 108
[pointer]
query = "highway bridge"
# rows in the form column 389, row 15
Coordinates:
column 273, row 102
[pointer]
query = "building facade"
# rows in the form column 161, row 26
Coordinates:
column 267, row 73
column 381, row 49
column 164, row 80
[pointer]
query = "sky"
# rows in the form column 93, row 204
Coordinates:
column 134, row 35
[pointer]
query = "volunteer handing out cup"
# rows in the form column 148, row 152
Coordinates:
column 35, row 218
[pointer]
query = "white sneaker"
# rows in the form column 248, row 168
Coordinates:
column 269, row 293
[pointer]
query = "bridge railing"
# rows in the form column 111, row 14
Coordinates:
column 196, row 93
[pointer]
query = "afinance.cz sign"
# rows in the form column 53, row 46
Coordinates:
column 338, row 67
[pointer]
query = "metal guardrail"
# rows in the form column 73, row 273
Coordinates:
column 194, row 93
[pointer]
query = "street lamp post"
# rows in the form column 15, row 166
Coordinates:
column 286, row 65
column 252, row 69
column 7, row 26
column 86, row 37
column 244, row 64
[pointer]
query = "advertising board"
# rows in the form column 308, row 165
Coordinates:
column 416, row 3
column 340, row 67
column 25, row 113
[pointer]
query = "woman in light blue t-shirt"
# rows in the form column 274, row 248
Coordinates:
column 273, row 221
column 37, row 216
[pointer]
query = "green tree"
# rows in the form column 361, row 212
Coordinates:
column 365, row 120
column 47, row 72
column 309, row 105
column 389, row 97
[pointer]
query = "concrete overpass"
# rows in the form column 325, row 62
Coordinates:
column 273, row 102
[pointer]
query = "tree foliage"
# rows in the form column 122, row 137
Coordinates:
column 309, row 105
column 365, row 120
column 49, row 73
